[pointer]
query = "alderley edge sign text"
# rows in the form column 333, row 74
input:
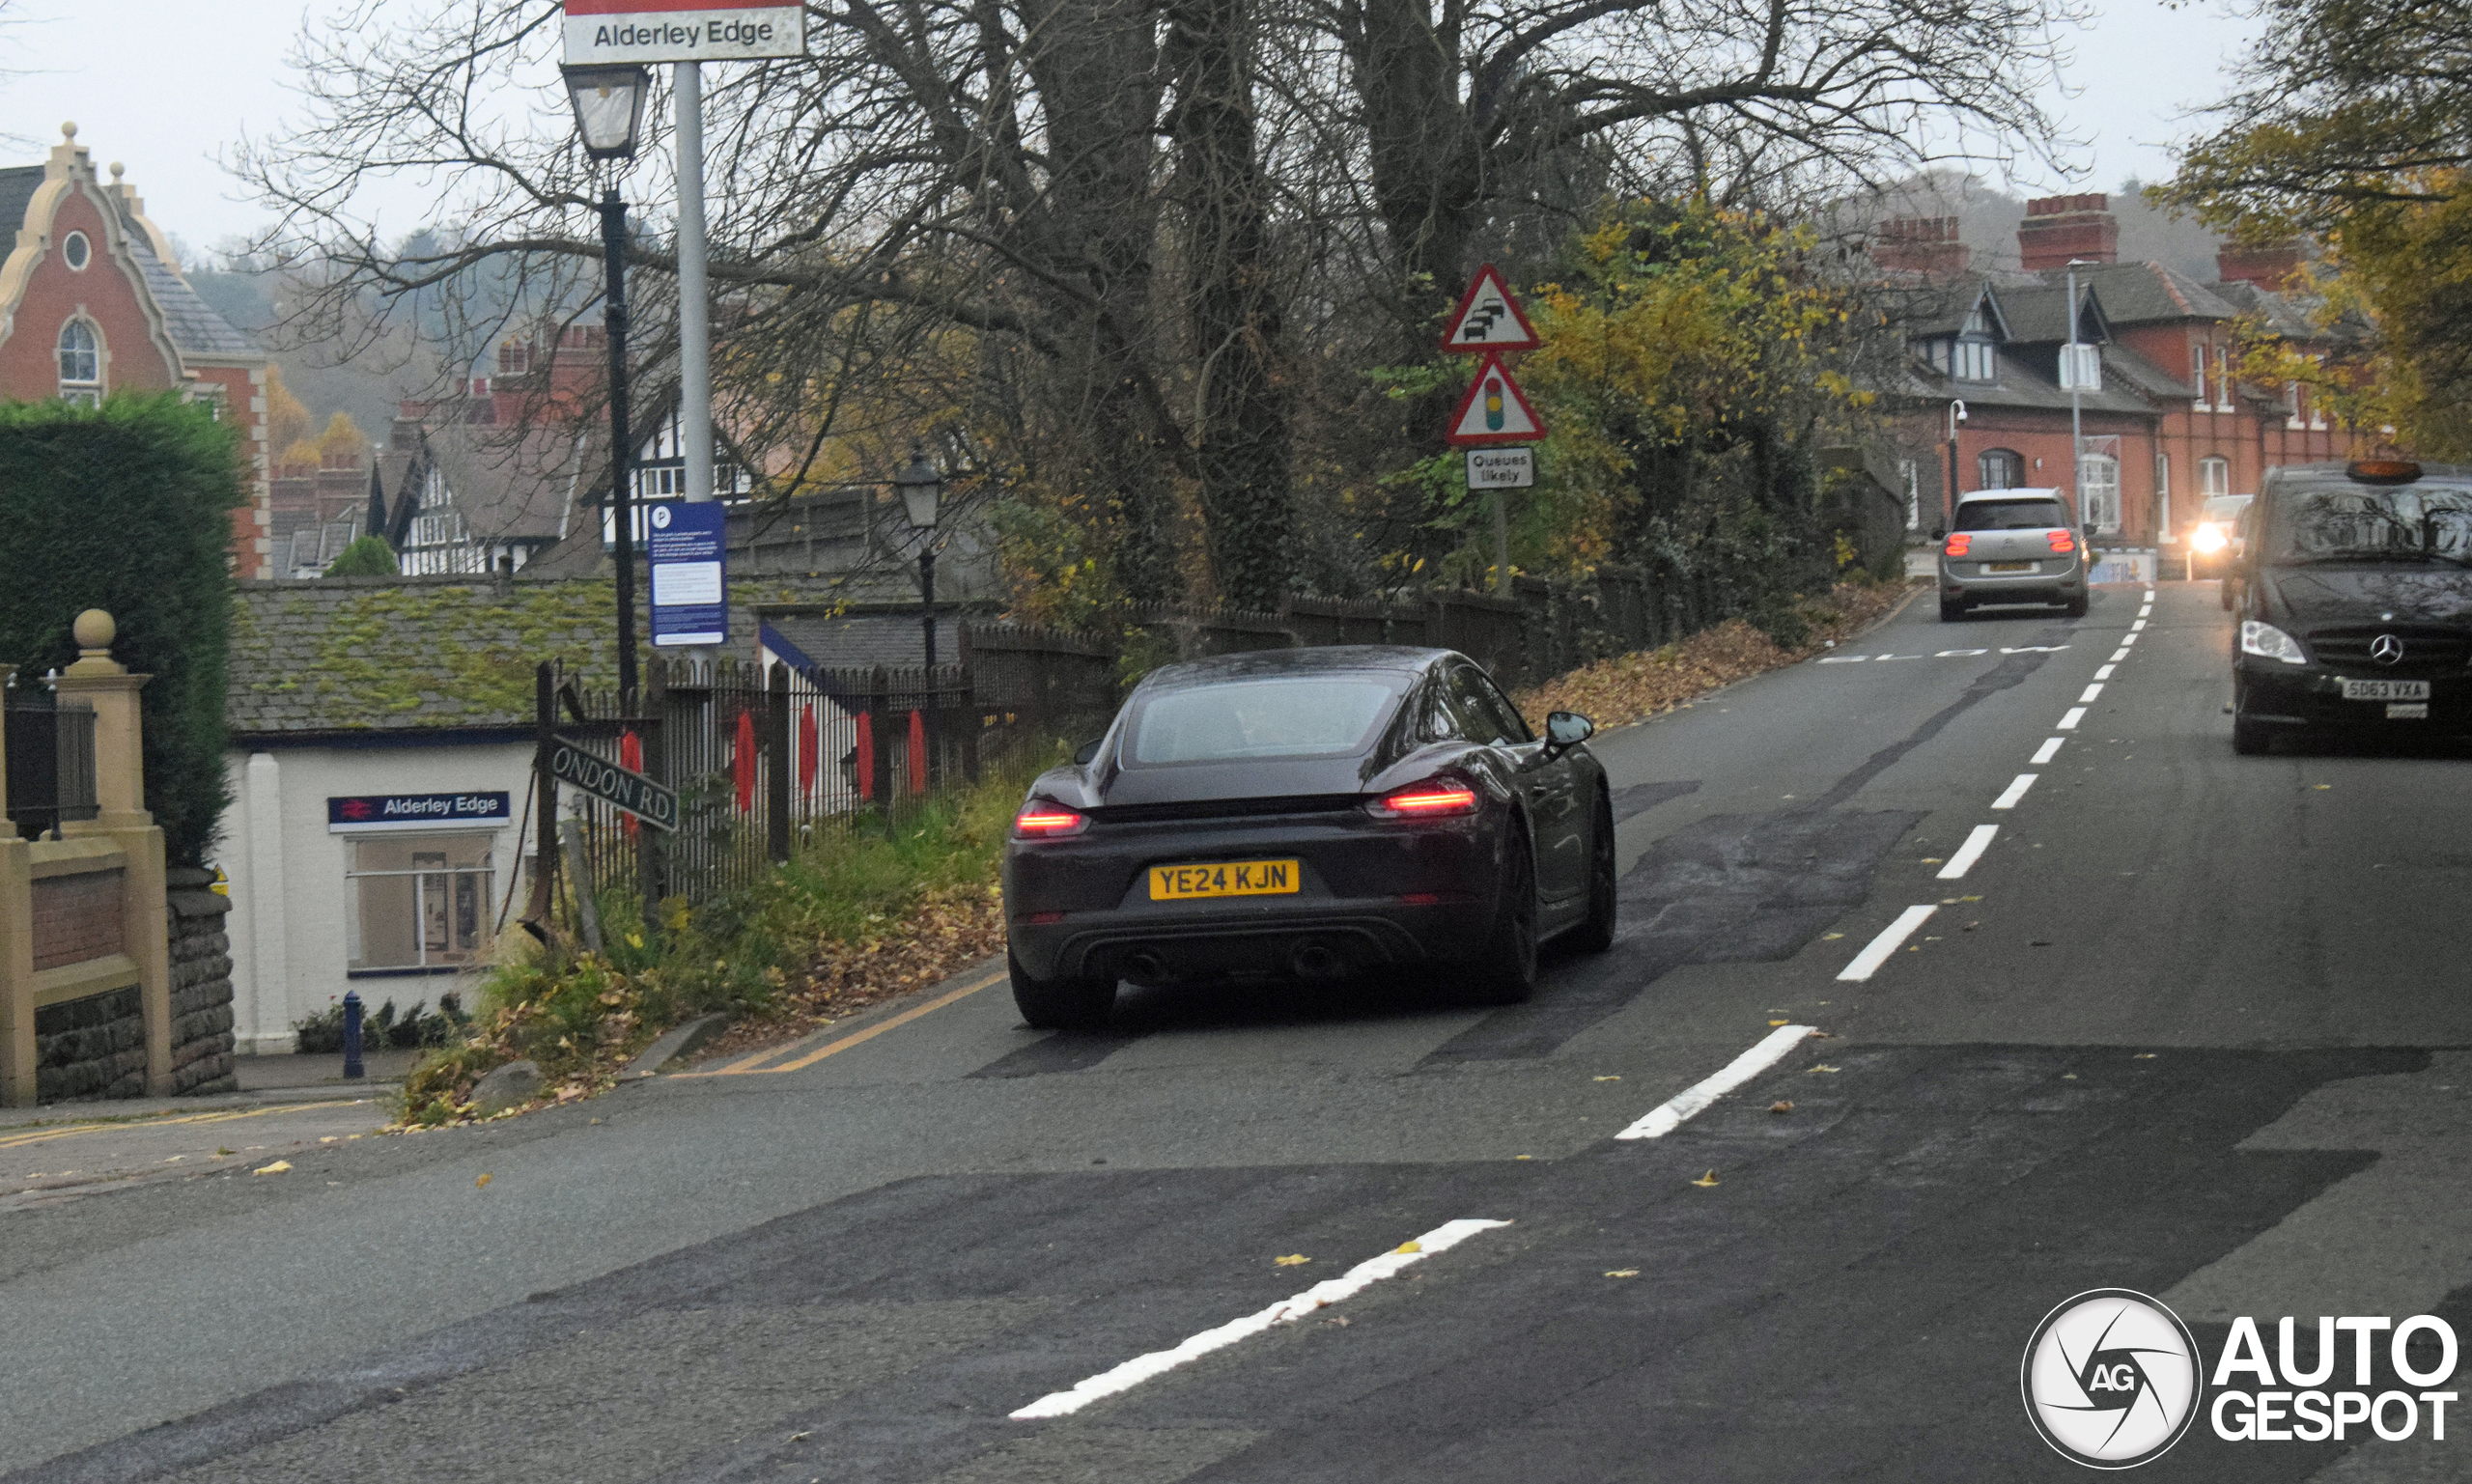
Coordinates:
column 654, row 31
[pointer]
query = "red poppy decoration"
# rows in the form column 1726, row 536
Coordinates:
column 630, row 756
column 917, row 752
column 809, row 742
column 866, row 759
column 745, row 762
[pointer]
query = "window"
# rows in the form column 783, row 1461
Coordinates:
column 1317, row 715
column 2197, row 371
column 2163, row 492
column 1497, row 721
column 81, row 364
column 2040, row 514
column 2080, row 367
column 2214, row 476
column 76, row 252
column 417, row 903
column 2000, row 468
column 2099, row 492
column 1976, row 360
column 1911, row 478
column 2223, row 378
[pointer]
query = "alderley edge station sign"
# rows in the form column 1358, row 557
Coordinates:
column 650, row 31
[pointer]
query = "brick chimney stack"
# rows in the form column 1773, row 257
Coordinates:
column 1927, row 245
column 2059, row 228
column 2272, row 267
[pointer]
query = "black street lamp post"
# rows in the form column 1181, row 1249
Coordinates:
column 609, row 113
column 920, row 487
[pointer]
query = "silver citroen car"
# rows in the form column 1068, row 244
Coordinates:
column 2011, row 545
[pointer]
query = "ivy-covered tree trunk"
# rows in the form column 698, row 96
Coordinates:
column 1233, row 305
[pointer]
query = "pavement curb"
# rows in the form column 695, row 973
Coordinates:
column 676, row 1042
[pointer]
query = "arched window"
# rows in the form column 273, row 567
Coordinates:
column 82, row 363
column 2098, row 492
column 2214, row 476
column 2000, row 468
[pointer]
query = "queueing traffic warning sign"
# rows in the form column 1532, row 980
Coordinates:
column 1489, row 318
column 1495, row 410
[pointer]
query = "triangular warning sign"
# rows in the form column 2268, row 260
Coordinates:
column 1489, row 317
column 1495, row 410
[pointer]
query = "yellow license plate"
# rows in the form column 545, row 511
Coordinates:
column 1224, row 878
column 2008, row 566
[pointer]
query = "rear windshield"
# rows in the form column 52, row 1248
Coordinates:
column 1305, row 716
column 2010, row 516
column 2349, row 522
column 2226, row 507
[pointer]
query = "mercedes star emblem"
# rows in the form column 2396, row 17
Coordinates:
column 2386, row 649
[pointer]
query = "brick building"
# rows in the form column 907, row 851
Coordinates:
column 2167, row 423
column 91, row 302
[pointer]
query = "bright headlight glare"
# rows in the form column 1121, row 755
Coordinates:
column 2206, row 538
column 2273, row 643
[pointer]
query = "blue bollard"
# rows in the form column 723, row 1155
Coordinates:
column 352, row 1034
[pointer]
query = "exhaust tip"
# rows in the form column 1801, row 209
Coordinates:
column 1317, row 961
column 1142, row 967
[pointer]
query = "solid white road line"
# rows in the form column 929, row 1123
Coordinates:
column 2015, row 791
column 2068, row 722
column 1364, row 1275
column 1669, row 1115
column 1972, row 851
column 1876, row 952
column 2104, row 673
column 2047, row 752
column 2092, row 691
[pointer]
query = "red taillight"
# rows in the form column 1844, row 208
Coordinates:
column 2062, row 541
column 1433, row 799
column 1960, row 543
column 1044, row 818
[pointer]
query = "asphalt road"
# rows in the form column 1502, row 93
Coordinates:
column 2187, row 1024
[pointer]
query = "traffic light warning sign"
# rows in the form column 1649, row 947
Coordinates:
column 1495, row 410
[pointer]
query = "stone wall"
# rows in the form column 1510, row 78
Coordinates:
column 90, row 1048
column 201, row 986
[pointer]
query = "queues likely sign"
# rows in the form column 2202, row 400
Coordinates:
column 647, row 30
column 358, row 812
column 604, row 779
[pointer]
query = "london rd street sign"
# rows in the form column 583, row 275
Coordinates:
column 582, row 768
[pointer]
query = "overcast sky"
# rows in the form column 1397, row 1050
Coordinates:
column 167, row 85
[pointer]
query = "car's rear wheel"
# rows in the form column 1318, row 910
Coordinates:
column 1951, row 612
column 1503, row 972
column 2249, row 739
column 1596, row 932
column 1061, row 1004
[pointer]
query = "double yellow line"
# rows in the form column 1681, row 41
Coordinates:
column 798, row 1056
column 227, row 1115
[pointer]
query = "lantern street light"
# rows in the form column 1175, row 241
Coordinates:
column 609, row 114
column 919, row 487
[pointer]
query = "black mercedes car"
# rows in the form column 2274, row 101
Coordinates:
column 2355, row 603
column 1304, row 815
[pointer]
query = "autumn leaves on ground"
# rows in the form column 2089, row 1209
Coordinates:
column 869, row 912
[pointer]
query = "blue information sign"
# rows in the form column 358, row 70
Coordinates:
column 691, row 603
column 416, row 811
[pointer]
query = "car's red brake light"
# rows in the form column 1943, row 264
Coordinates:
column 1044, row 818
column 1433, row 799
column 1960, row 543
column 2062, row 541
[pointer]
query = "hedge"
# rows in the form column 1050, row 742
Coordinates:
column 125, row 507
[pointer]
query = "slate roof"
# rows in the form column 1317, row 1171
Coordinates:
column 18, row 186
column 2146, row 293
column 194, row 325
column 364, row 655
column 2019, row 387
column 2040, row 313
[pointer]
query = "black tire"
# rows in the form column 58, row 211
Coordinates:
column 1596, row 932
column 2224, row 587
column 2249, row 739
column 1061, row 1004
column 1503, row 972
column 1951, row 612
column 2076, row 607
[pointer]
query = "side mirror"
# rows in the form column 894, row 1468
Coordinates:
column 1088, row 751
column 1939, row 533
column 1568, row 729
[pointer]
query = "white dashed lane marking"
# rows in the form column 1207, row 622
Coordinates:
column 2076, row 715
column 2047, row 752
column 2092, row 691
column 1971, row 851
column 1357, row 1280
column 2015, row 791
column 1877, row 951
column 1693, row 1100
column 2104, row 672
